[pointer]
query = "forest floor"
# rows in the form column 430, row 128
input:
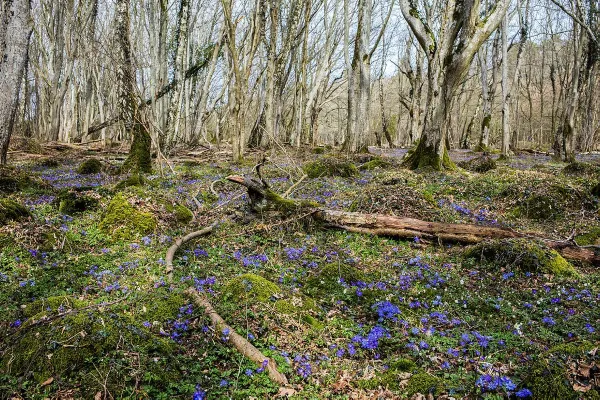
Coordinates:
column 87, row 310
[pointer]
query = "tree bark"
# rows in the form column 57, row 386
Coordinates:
column 15, row 31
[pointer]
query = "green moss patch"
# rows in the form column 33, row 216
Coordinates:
column 122, row 220
column 51, row 304
column 132, row 180
column 479, row 164
column 591, row 237
column 90, row 166
column 376, row 162
column 250, row 287
column 12, row 211
column 524, row 254
column 71, row 202
column 330, row 166
column 553, row 375
column 49, row 346
column 581, row 168
column 424, row 383
column 327, row 281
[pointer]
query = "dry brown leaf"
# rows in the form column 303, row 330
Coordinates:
column 98, row 396
column 581, row 388
column 285, row 392
column 47, row 382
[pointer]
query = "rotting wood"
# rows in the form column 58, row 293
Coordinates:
column 409, row 228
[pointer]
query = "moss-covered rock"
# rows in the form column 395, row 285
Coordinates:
column 525, row 254
column 12, row 211
column 71, row 202
column 132, row 180
column 183, row 214
column 90, row 166
column 376, row 162
column 160, row 307
column 553, row 375
column 424, row 383
column 13, row 180
column 250, row 287
column 122, row 220
column 318, row 150
column 479, row 164
column 328, row 280
column 330, row 166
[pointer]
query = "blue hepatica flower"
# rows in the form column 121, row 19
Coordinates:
column 491, row 383
column 199, row 394
column 524, row 393
column 387, row 310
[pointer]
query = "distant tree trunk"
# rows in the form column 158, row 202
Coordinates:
column 505, row 147
column 15, row 30
column 568, row 125
column 139, row 154
column 175, row 100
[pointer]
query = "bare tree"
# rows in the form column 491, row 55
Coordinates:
column 462, row 31
column 15, row 31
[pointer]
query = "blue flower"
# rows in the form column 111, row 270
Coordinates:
column 385, row 309
column 199, row 394
column 524, row 393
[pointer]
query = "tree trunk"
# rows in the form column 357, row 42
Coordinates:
column 175, row 100
column 504, row 151
column 139, row 154
column 15, row 30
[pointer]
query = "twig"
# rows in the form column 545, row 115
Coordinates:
column 294, row 186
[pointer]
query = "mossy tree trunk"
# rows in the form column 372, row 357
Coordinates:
column 462, row 31
column 139, row 154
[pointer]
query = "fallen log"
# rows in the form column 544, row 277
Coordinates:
column 409, row 228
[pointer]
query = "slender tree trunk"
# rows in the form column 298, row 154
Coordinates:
column 175, row 100
column 15, row 30
column 505, row 148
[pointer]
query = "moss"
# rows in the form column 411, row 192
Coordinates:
column 595, row 191
column 51, row 304
column 90, row 166
column 139, row 158
column 479, row 164
column 250, row 287
column 524, row 254
column 131, row 180
column 12, row 211
column 318, row 150
column 160, row 307
column 581, row 168
column 313, row 322
column 591, row 237
column 423, row 383
column 330, row 166
column 70, row 202
column 13, row 180
column 122, row 220
column 48, row 163
column 183, row 214
column 549, row 377
column 375, row 163
column 61, row 347
column 423, row 156
column 327, row 281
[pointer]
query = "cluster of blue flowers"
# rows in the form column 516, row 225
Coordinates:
column 371, row 341
column 386, row 310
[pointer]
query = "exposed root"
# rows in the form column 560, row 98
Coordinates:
column 239, row 342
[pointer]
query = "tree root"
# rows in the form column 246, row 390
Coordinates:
column 239, row 342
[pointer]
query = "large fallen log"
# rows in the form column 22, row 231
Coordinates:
column 409, row 228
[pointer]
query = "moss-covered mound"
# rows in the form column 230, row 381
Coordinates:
column 330, row 277
column 12, row 211
column 90, row 166
column 524, row 254
column 13, row 180
column 550, row 202
column 132, row 180
column 55, row 304
column 122, row 220
column 71, row 202
column 330, row 166
column 250, row 287
column 424, row 383
column 557, row 371
column 376, row 162
column 589, row 237
column 581, row 168
column 479, row 164
column 60, row 346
